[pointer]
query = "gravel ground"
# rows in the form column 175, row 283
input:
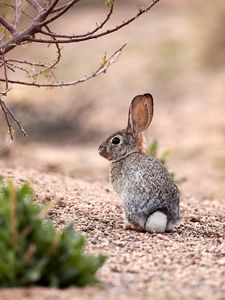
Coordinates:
column 188, row 263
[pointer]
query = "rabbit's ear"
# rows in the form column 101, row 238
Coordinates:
column 140, row 113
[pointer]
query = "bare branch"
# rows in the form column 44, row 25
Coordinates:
column 101, row 25
column 98, row 27
column 26, row 62
column 22, row 11
column 35, row 27
column 2, row 37
column 59, row 8
column 4, row 93
column 13, row 68
column 74, row 39
column 35, row 5
column 61, row 12
column 58, row 52
column 50, row 8
column 8, row 112
column 6, row 24
column 17, row 12
column 15, row 119
column 6, row 75
column 24, row 35
column 102, row 69
column 2, row 104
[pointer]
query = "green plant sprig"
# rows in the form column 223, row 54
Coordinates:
column 153, row 150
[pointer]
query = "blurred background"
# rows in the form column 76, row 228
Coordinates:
column 176, row 52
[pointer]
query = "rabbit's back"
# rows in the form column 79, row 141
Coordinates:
column 145, row 186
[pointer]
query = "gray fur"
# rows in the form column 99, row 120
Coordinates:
column 145, row 186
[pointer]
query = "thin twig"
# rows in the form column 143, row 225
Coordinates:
column 25, row 34
column 98, row 27
column 74, row 39
column 59, row 8
column 6, row 110
column 9, row 112
column 50, row 8
column 62, row 12
column 6, row 24
column 27, row 63
column 58, row 53
column 35, row 5
column 17, row 12
column 5, row 92
column 13, row 67
column 102, row 69
column 22, row 11
column 6, row 118
column 2, row 37
column 5, row 74
column 28, row 33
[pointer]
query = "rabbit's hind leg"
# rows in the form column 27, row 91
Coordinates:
column 156, row 222
column 129, row 225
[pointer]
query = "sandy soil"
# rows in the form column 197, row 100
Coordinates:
column 187, row 263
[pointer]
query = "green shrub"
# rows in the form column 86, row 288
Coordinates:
column 32, row 251
column 153, row 150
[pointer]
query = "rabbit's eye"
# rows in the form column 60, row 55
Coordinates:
column 116, row 140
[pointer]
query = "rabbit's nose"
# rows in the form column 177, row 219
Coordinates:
column 101, row 149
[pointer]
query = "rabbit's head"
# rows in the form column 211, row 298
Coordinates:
column 130, row 140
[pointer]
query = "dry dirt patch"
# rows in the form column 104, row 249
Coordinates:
column 187, row 263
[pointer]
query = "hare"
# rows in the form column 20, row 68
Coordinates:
column 149, row 195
